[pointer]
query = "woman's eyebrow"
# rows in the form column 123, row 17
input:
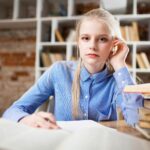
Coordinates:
column 86, row 34
column 105, row 35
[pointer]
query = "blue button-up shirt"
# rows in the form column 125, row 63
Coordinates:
column 100, row 94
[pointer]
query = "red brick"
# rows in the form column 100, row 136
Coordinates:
column 21, row 73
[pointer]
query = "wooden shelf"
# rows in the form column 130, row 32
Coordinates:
column 63, row 17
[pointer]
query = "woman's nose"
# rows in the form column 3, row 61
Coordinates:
column 92, row 45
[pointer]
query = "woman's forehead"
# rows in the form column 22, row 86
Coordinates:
column 94, row 25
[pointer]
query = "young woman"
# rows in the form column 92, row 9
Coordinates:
column 88, row 88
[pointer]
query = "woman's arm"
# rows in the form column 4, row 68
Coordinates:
column 128, row 102
column 33, row 98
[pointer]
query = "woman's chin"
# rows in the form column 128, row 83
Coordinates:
column 94, row 63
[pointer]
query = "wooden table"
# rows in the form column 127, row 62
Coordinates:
column 121, row 126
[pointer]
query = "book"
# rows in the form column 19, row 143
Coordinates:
column 143, row 131
column 144, row 114
column 147, row 103
column 123, row 32
column 45, row 59
column 71, row 36
column 138, row 88
column 145, row 118
column 130, row 30
column 135, row 31
column 146, row 96
column 144, row 124
column 145, row 60
column 74, row 135
column 140, row 61
column 59, row 36
column 127, row 33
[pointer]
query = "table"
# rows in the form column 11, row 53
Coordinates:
column 121, row 126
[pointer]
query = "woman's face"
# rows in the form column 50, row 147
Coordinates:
column 95, row 42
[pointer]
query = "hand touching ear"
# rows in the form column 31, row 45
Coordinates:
column 119, row 53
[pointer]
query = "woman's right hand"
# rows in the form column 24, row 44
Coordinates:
column 40, row 120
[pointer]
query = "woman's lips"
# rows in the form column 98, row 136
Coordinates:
column 92, row 55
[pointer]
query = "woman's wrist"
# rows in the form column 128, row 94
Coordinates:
column 118, row 66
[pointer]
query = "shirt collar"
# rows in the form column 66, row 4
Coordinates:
column 97, row 77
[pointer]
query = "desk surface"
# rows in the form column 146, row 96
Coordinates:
column 123, row 127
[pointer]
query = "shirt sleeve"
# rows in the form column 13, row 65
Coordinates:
column 129, row 102
column 33, row 98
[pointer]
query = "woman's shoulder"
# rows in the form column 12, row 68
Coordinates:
column 59, row 70
column 64, row 65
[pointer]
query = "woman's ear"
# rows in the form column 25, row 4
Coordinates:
column 114, row 49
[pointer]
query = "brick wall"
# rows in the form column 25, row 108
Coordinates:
column 17, row 65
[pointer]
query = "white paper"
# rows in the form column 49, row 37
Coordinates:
column 73, row 126
column 82, row 135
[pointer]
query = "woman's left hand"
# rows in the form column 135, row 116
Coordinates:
column 117, row 58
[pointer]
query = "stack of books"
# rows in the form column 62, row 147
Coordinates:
column 130, row 32
column 144, row 112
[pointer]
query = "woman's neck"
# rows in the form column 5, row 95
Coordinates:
column 94, row 69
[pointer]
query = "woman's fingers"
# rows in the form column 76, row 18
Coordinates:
column 47, row 116
column 42, row 123
column 117, row 57
column 40, row 120
column 47, row 120
column 120, row 43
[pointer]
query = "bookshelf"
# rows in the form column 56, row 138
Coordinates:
column 17, row 14
column 55, row 22
column 134, row 17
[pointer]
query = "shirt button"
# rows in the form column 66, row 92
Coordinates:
column 86, row 97
column 85, row 114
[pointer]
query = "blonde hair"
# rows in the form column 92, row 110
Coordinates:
column 113, row 26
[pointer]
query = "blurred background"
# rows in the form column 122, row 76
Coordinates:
column 36, row 33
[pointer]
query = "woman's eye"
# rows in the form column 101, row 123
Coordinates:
column 103, row 39
column 85, row 38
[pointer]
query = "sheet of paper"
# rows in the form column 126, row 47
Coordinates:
column 99, row 138
column 73, row 126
